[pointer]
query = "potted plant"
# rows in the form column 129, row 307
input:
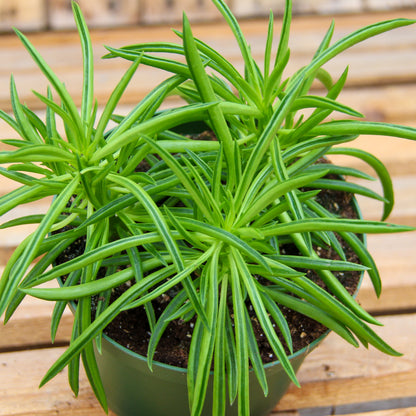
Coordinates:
column 222, row 230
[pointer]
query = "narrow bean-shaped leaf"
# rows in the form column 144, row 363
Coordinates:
column 53, row 79
column 337, row 225
column 241, row 340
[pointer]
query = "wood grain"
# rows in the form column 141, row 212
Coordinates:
column 337, row 373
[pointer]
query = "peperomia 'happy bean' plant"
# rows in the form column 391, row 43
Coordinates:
column 207, row 216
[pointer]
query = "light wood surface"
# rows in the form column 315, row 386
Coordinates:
column 382, row 85
column 37, row 15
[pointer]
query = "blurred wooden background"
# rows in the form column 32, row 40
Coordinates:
column 381, row 84
column 56, row 14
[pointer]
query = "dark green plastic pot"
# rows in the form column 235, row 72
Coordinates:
column 133, row 390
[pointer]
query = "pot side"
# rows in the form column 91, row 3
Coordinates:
column 133, row 390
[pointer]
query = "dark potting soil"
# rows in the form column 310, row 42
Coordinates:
column 130, row 328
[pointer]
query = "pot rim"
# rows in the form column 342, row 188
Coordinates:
column 304, row 350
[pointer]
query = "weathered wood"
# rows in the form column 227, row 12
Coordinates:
column 336, row 373
column 25, row 14
column 170, row 11
column 97, row 13
column 394, row 256
column 410, row 411
column 29, row 327
column 250, row 8
column 376, row 5
column 20, row 375
column 391, row 55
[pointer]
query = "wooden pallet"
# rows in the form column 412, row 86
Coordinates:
column 35, row 15
column 335, row 377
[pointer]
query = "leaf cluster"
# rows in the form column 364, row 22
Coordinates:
column 207, row 217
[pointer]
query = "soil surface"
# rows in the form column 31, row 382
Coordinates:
column 130, row 328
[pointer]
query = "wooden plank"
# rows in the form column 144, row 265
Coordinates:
column 29, row 327
column 25, row 14
column 396, row 52
column 410, row 411
column 387, row 103
column 250, row 8
column 327, row 377
column 335, row 373
column 398, row 155
column 394, row 255
column 377, row 5
column 170, row 11
column 20, row 375
column 97, row 13
column 404, row 210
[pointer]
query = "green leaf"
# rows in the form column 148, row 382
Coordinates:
column 226, row 237
column 31, row 249
column 88, row 64
column 37, row 153
column 53, row 79
column 98, row 254
column 262, row 315
column 313, row 312
column 203, row 340
column 364, row 127
column 163, row 229
column 334, row 224
column 163, row 121
column 276, row 190
column 341, row 185
column 113, row 101
column 206, row 91
column 171, row 308
column 241, row 339
column 381, row 171
column 25, row 127
column 219, row 376
column 249, row 62
column 284, row 33
column 155, row 214
column 268, row 48
column 184, row 178
column 318, row 263
column 311, row 101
